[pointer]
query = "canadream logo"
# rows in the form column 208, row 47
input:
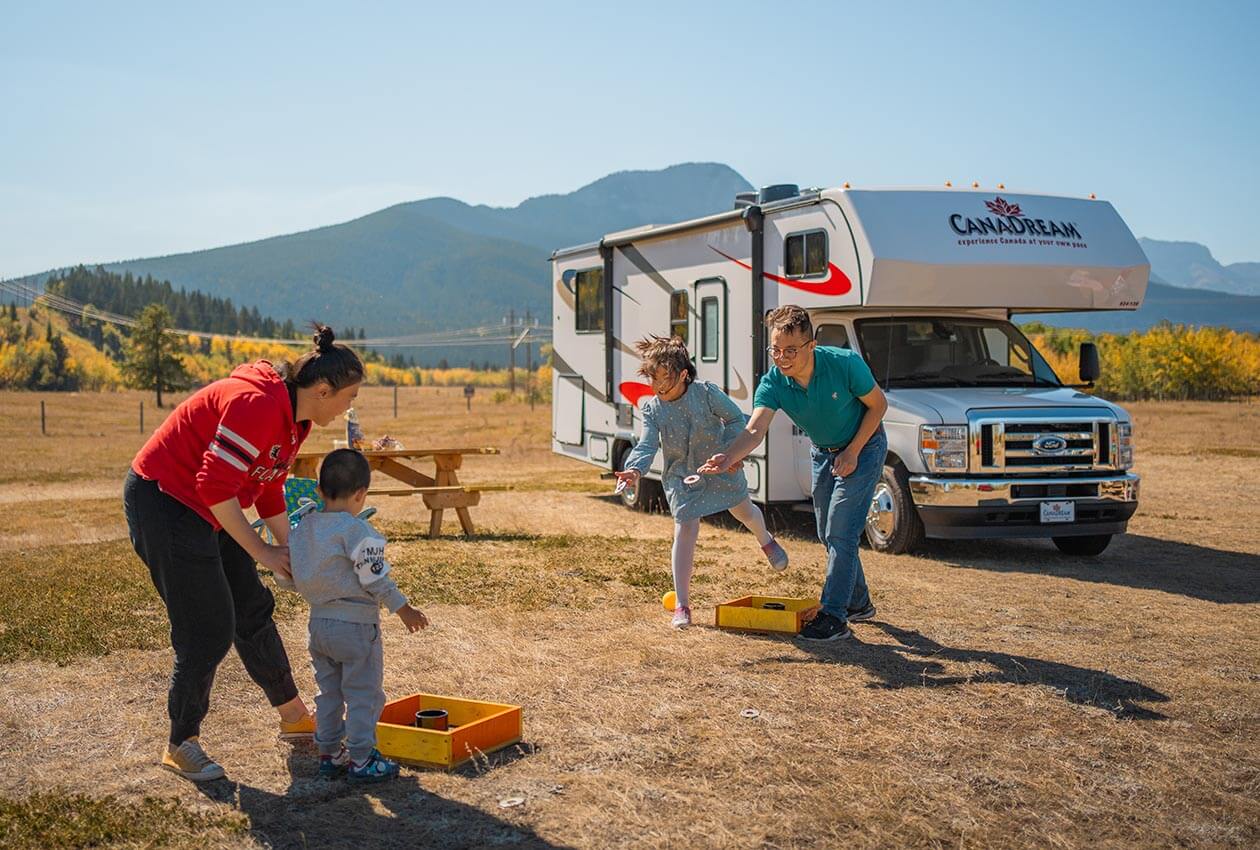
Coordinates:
column 1009, row 218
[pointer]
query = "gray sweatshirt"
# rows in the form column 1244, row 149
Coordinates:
column 339, row 567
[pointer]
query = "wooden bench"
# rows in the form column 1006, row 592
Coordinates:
column 440, row 491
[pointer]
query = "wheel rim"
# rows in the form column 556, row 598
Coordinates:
column 881, row 518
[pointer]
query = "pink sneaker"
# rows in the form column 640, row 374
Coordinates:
column 682, row 617
column 776, row 555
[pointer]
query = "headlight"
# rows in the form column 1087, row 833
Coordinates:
column 943, row 447
column 1124, row 435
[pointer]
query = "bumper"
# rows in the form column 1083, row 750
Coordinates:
column 1004, row 507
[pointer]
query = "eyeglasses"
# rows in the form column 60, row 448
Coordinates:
column 788, row 353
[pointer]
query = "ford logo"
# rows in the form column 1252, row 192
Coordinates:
column 1049, row 444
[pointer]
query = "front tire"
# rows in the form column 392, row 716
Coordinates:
column 892, row 523
column 1087, row 546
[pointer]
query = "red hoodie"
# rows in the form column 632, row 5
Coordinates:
column 234, row 437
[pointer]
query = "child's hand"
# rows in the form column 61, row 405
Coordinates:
column 413, row 618
column 715, row 465
column 628, row 478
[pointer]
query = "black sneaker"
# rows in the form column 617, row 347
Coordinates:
column 863, row 614
column 826, row 627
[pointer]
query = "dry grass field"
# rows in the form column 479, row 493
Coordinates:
column 1007, row 695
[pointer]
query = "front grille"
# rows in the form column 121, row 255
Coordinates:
column 1054, row 491
column 1019, row 442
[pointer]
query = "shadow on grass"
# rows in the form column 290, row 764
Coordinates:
column 1132, row 560
column 394, row 534
column 780, row 519
column 333, row 813
column 917, row 661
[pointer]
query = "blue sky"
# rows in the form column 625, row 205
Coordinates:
column 133, row 130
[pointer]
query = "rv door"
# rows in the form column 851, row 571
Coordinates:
column 711, row 332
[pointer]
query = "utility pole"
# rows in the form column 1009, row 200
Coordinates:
column 529, row 366
column 512, row 351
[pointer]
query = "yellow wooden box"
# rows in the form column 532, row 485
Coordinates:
column 474, row 727
column 749, row 614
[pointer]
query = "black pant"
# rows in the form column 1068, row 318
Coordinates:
column 214, row 599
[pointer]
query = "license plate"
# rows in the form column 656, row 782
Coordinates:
column 1058, row 511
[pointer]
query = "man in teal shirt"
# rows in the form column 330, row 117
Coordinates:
column 832, row 396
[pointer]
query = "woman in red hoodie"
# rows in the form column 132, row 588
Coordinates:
column 227, row 447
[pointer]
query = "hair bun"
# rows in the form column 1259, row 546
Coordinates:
column 324, row 337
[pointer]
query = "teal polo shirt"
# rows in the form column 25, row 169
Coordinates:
column 829, row 409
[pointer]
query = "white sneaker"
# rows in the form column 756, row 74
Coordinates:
column 682, row 617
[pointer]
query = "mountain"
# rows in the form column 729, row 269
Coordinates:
column 438, row 263
column 1191, row 265
column 1163, row 302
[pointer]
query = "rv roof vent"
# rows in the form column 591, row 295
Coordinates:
column 777, row 192
column 745, row 199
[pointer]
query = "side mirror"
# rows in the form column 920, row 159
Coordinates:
column 1090, row 370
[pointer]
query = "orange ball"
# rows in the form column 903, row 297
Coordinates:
column 669, row 601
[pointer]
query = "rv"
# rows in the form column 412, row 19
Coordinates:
column 984, row 439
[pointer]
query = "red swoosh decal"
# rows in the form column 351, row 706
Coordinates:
column 635, row 391
column 835, row 283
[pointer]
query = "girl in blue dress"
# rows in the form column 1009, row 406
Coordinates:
column 689, row 421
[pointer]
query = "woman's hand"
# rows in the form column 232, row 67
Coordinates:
column 276, row 559
column 716, row 465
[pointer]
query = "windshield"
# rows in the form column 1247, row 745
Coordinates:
column 933, row 351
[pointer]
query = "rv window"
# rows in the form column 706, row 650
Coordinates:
column 709, row 319
column 678, row 315
column 590, row 300
column 1000, row 350
column 805, row 254
column 834, row 335
column 942, row 351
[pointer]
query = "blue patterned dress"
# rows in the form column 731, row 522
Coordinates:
column 702, row 422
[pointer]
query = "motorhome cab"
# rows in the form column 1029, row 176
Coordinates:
column 985, row 440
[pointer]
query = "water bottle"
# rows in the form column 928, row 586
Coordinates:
column 354, row 431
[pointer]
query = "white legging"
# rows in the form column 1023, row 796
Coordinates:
column 686, row 533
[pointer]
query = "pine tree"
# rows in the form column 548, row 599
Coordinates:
column 50, row 372
column 153, row 361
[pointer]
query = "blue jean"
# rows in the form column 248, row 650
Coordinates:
column 840, row 508
column 349, row 665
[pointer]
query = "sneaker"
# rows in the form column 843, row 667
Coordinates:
column 298, row 730
column 826, row 627
column 682, row 617
column 190, row 761
column 863, row 614
column 776, row 555
column 331, row 767
column 377, row 768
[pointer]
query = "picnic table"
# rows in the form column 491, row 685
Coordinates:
column 440, row 491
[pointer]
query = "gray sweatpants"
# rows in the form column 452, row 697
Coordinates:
column 349, row 666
